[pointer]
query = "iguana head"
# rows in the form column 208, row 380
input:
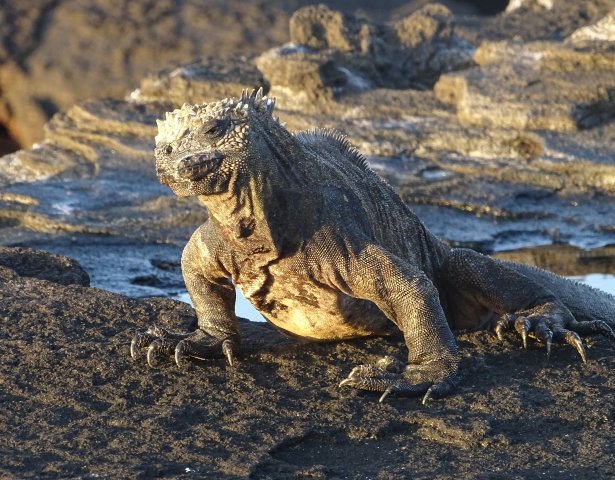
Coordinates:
column 201, row 148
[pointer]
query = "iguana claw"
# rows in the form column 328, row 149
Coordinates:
column 227, row 349
column 140, row 341
column 523, row 326
column 572, row 338
column 134, row 348
column 387, row 378
column 200, row 345
column 547, row 330
column 180, row 355
column 159, row 347
column 391, row 383
column 151, row 355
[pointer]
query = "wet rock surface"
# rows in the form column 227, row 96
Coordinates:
column 513, row 148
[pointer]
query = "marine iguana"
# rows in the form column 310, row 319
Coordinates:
column 326, row 250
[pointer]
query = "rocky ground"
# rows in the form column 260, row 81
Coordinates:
column 54, row 53
column 76, row 406
column 498, row 131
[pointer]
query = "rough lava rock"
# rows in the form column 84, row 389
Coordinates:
column 331, row 54
column 601, row 31
column 531, row 20
column 44, row 265
column 516, row 149
column 107, row 46
column 534, row 86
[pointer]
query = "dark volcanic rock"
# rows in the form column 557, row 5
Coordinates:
column 43, row 265
column 332, row 53
column 534, row 21
column 205, row 80
column 76, row 405
column 512, row 151
column 54, row 53
column 536, row 86
column 57, row 52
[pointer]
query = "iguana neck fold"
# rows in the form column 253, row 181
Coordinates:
column 251, row 205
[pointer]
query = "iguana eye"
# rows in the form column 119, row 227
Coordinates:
column 168, row 150
column 215, row 128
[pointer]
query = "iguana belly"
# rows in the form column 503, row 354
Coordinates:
column 313, row 312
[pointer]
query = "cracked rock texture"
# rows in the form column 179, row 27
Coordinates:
column 107, row 46
column 331, row 54
column 498, row 131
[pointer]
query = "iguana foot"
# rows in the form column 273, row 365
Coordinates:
column 548, row 328
column 159, row 342
column 389, row 375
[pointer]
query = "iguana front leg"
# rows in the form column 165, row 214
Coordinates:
column 213, row 296
column 409, row 299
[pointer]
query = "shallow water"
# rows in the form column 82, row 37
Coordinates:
column 243, row 308
column 595, row 267
column 153, row 270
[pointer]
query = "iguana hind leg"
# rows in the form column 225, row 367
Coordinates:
column 521, row 301
column 411, row 301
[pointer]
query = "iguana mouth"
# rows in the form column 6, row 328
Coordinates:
column 196, row 167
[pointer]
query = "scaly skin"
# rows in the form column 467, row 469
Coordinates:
column 326, row 250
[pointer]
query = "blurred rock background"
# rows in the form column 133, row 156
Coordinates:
column 492, row 120
column 54, row 53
